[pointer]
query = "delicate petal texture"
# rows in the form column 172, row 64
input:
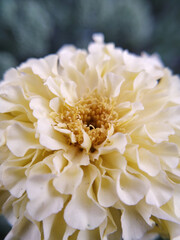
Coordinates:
column 133, row 224
column 48, row 137
column 160, row 191
column 148, row 162
column 107, row 195
column 80, row 212
column 130, row 189
column 81, row 209
column 90, row 146
column 24, row 229
column 176, row 200
column 68, row 180
column 15, row 180
column 43, row 200
column 20, row 138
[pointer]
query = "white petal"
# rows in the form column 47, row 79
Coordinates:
column 133, row 225
column 82, row 213
column 174, row 230
column 145, row 211
column 7, row 210
column 3, row 125
column 176, row 197
column 114, row 160
column 59, row 162
column 50, row 138
column 118, row 142
column 11, row 75
column 162, row 214
column 24, row 229
column 55, row 162
column 68, row 180
column 40, row 107
column 160, row 192
column 47, row 226
column 107, row 195
column 20, row 139
column 167, row 113
column 68, row 91
column 52, row 61
column 98, row 37
column 168, row 152
column 77, row 157
column 43, row 67
column 56, row 104
column 113, row 84
column 12, row 99
column 76, row 79
column 148, row 162
column 44, row 200
column 69, row 231
column 175, row 88
column 86, row 141
column 60, row 128
column 65, row 55
column 15, row 180
column 144, row 81
column 159, row 132
column 130, row 189
column 111, row 229
column 53, row 85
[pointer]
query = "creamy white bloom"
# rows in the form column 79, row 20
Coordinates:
column 90, row 146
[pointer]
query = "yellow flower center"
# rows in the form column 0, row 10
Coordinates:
column 94, row 114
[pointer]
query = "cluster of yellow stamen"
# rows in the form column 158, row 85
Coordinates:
column 94, row 114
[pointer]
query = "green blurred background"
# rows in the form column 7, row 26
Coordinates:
column 35, row 28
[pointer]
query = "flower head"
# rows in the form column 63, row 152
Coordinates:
column 89, row 146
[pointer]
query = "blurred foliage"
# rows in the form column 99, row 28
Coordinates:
column 30, row 28
column 35, row 28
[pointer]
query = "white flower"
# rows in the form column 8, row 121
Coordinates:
column 89, row 146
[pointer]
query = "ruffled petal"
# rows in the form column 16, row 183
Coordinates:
column 82, row 213
column 40, row 107
column 43, row 67
column 44, row 200
column 15, row 180
column 24, row 229
column 48, row 137
column 107, row 195
column 159, row 132
column 160, row 192
column 133, row 225
column 68, row 180
column 21, row 138
column 117, row 142
column 130, row 189
column 174, row 230
column 176, row 201
column 113, row 84
column 148, row 162
column 12, row 99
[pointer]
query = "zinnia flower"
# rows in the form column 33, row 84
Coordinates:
column 89, row 146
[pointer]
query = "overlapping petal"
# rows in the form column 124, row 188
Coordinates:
column 90, row 146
